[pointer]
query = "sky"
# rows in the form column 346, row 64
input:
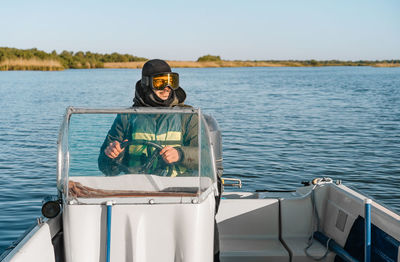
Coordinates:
column 186, row 30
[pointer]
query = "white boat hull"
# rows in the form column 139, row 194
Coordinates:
column 252, row 226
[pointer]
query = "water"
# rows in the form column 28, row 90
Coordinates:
column 280, row 126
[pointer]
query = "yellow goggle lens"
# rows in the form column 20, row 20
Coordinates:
column 162, row 81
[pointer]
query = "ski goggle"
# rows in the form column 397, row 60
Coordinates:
column 161, row 81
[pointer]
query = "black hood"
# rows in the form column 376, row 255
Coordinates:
column 145, row 96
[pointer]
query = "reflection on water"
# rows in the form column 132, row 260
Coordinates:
column 280, row 126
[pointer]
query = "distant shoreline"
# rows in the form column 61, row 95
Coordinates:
column 54, row 65
column 12, row 59
column 224, row 63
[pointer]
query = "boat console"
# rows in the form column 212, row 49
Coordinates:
column 137, row 207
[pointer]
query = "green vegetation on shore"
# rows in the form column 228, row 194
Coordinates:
column 209, row 58
column 33, row 59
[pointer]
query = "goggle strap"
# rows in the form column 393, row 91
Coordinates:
column 146, row 80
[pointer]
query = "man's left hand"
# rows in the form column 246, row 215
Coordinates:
column 170, row 154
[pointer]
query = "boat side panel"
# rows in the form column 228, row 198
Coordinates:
column 159, row 232
column 341, row 211
column 84, row 229
column 345, row 205
column 163, row 232
column 36, row 246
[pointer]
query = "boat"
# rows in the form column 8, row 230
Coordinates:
column 150, row 214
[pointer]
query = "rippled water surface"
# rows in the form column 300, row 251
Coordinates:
column 280, row 126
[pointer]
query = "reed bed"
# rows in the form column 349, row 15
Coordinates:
column 31, row 64
column 386, row 65
column 124, row 64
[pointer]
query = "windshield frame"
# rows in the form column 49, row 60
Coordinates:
column 63, row 153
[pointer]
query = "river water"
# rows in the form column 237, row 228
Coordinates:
column 280, row 126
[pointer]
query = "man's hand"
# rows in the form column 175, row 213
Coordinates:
column 113, row 150
column 170, row 154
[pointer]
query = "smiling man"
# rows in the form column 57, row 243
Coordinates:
column 158, row 87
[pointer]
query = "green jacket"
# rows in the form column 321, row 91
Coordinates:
column 177, row 130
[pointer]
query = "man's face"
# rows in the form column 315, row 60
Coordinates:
column 163, row 94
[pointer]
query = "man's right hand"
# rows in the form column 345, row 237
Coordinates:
column 113, row 150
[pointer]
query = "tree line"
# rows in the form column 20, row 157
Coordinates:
column 67, row 59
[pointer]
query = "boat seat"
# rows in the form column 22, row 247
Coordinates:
column 295, row 232
column 249, row 231
column 297, row 246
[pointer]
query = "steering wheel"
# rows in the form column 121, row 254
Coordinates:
column 152, row 156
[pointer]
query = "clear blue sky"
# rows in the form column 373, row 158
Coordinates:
column 186, row 30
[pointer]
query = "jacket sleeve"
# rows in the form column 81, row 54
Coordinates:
column 118, row 132
column 190, row 150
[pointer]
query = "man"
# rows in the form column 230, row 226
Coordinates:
column 159, row 87
column 177, row 135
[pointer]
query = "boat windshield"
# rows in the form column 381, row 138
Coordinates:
column 142, row 152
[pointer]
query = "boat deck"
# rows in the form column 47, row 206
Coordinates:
column 252, row 229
